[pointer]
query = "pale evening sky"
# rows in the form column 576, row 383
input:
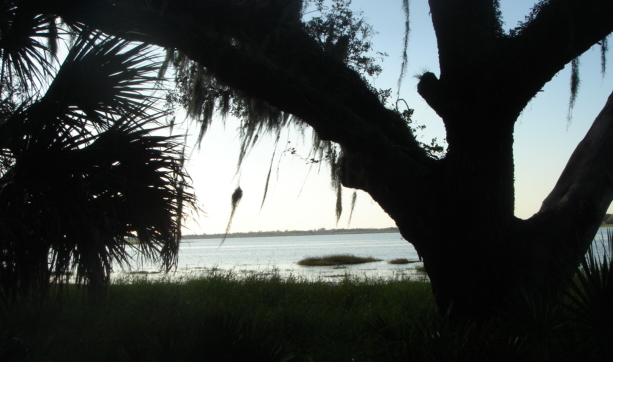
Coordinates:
column 300, row 195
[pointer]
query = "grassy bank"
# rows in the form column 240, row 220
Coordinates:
column 221, row 318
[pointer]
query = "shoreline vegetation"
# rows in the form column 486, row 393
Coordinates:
column 272, row 318
column 336, row 259
column 401, row 261
column 266, row 317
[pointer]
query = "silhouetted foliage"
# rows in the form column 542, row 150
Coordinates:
column 591, row 298
column 84, row 172
column 342, row 34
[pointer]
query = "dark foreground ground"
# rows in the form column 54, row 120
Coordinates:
column 223, row 319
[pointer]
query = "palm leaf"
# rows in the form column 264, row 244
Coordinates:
column 100, row 80
column 84, row 170
column 87, row 203
column 590, row 299
column 103, row 78
column 23, row 45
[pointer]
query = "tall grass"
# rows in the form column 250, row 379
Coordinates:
column 260, row 319
column 221, row 318
column 267, row 317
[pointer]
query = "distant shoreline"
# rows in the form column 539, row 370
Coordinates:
column 607, row 223
column 294, row 233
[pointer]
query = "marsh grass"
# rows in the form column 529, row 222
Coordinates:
column 337, row 259
column 401, row 261
column 226, row 317
column 266, row 317
column 220, row 317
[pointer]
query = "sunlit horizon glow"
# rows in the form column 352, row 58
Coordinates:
column 300, row 195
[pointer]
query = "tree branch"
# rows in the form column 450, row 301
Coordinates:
column 249, row 47
column 468, row 36
column 465, row 31
column 282, row 65
column 556, row 32
column 485, row 69
column 588, row 175
column 572, row 213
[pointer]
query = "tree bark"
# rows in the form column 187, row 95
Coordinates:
column 477, row 254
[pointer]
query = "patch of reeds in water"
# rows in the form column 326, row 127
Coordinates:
column 402, row 261
column 337, row 259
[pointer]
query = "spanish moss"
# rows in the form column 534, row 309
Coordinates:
column 575, row 85
column 405, row 44
column 604, row 48
column 338, row 203
column 354, row 196
column 235, row 200
column 266, row 184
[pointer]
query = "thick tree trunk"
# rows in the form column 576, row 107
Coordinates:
column 477, row 254
column 462, row 222
column 466, row 254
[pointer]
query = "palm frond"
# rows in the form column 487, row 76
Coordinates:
column 84, row 172
column 103, row 78
column 86, row 203
column 23, row 45
column 590, row 296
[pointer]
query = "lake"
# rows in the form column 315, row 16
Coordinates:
column 245, row 256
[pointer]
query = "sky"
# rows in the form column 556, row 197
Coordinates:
column 300, row 195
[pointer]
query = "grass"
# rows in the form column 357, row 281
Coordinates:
column 264, row 317
column 337, row 259
column 219, row 318
column 269, row 318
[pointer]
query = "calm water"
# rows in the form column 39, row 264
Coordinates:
column 280, row 254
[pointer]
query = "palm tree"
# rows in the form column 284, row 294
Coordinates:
column 83, row 168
